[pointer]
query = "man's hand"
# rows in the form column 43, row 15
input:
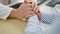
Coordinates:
column 24, row 11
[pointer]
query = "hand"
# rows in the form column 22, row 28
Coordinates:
column 35, row 7
column 37, row 11
column 23, row 12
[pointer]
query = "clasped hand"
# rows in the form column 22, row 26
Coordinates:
column 25, row 11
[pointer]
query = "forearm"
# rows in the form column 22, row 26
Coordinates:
column 12, row 14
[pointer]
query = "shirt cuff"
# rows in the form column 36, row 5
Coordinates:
column 5, row 12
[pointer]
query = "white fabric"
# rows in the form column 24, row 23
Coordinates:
column 33, row 26
column 4, row 11
column 50, row 15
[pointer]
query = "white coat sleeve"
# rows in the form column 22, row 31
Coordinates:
column 4, row 11
column 50, row 15
column 47, row 16
column 47, row 13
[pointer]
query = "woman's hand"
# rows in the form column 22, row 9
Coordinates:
column 23, row 12
column 37, row 10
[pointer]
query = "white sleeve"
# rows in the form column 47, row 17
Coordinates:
column 33, row 26
column 51, row 15
column 4, row 11
column 47, row 14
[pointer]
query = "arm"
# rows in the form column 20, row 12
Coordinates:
column 46, row 15
column 4, row 11
column 24, row 11
column 12, row 15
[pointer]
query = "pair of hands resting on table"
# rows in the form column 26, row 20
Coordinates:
column 24, row 11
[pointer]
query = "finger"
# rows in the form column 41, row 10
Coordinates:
column 33, row 4
column 27, row 1
column 38, row 13
column 29, row 12
column 29, row 9
column 28, row 5
column 35, row 8
column 29, row 15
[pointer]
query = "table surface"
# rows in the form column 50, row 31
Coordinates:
column 12, row 26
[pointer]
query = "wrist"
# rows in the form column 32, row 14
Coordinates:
column 17, row 14
column 12, row 14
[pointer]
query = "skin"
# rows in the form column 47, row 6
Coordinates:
column 37, row 11
column 25, row 11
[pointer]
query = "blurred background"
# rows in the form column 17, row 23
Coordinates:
column 6, row 2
